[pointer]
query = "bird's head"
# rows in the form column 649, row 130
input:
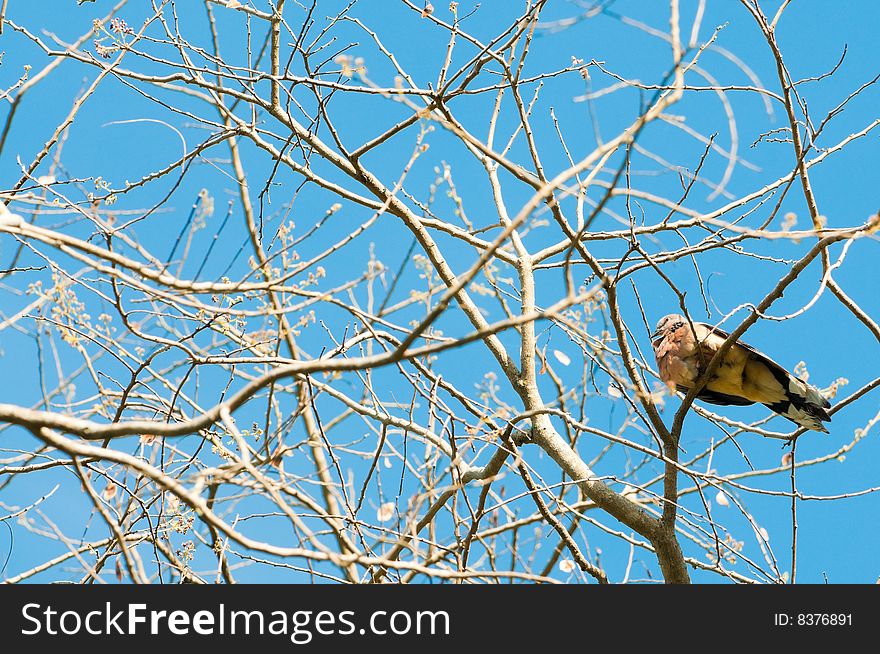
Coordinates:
column 667, row 324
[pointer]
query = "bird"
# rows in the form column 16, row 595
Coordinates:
column 745, row 376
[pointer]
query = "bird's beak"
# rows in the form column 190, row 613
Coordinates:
column 655, row 335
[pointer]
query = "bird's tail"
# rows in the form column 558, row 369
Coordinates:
column 804, row 405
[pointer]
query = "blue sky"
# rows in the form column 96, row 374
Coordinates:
column 837, row 539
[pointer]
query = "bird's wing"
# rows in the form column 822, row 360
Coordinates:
column 760, row 373
column 781, row 374
column 765, row 381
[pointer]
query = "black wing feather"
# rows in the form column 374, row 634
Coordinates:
column 713, row 397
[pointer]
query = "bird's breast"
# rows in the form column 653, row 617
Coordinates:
column 677, row 370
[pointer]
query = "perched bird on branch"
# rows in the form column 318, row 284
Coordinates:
column 744, row 375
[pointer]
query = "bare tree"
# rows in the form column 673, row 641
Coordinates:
column 354, row 369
